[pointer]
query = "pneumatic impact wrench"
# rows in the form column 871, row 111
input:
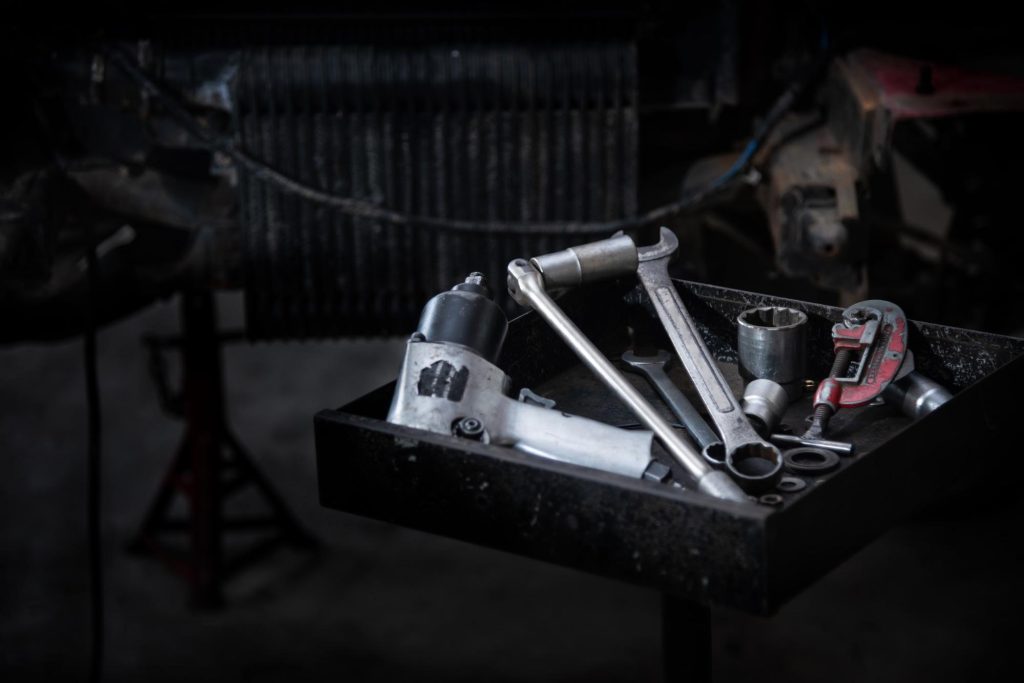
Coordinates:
column 449, row 384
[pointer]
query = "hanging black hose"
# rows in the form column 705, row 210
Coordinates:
column 94, row 471
column 173, row 105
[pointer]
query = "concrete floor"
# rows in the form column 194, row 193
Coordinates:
column 935, row 600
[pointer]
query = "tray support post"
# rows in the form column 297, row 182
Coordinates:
column 685, row 640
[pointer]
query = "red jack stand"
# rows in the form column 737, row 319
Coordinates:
column 210, row 467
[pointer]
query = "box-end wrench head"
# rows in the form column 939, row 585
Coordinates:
column 752, row 461
column 653, row 368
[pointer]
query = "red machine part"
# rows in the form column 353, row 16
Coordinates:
column 912, row 89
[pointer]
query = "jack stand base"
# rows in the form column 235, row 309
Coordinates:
column 210, row 467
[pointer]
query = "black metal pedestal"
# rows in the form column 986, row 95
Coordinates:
column 685, row 640
column 210, row 466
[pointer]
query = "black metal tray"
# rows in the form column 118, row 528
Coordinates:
column 752, row 557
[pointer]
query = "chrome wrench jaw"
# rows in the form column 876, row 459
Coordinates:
column 753, row 462
column 667, row 245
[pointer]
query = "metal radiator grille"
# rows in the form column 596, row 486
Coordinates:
column 481, row 131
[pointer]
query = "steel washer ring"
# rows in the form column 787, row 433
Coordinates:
column 823, row 460
column 791, row 485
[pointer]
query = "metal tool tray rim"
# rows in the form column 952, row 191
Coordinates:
column 776, row 560
column 512, row 456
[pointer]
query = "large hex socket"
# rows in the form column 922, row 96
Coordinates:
column 772, row 345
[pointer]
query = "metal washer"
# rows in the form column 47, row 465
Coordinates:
column 810, row 460
column 791, row 485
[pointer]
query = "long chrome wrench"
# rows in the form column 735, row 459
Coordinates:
column 526, row 285
column 749, row 458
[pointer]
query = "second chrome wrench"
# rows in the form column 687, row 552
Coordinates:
column 751, row 460
column 653, row 368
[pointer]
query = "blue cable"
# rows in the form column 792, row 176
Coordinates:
column 737, row 167
column 781, row 106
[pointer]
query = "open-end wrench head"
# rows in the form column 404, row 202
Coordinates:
column 661, row 359
column 666, row 246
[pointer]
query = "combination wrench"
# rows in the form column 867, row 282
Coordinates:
column 526, row 285
column 653, row 368
column 751, row 460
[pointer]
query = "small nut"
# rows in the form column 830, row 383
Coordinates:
column 469, row 428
